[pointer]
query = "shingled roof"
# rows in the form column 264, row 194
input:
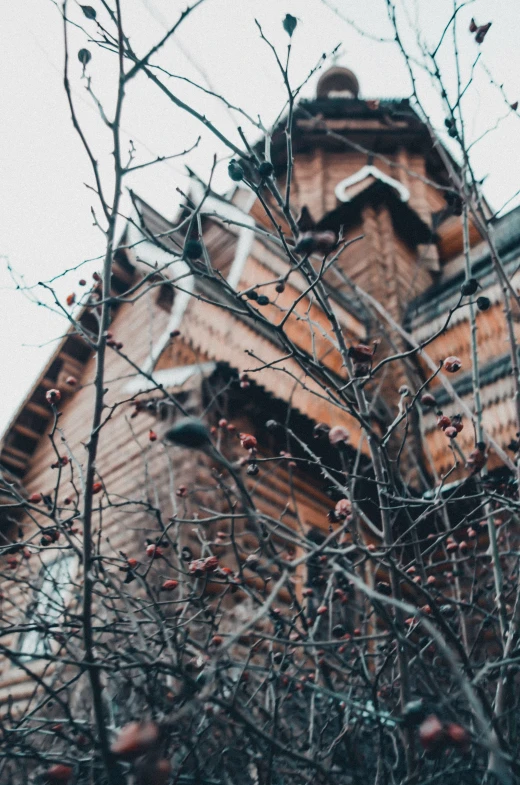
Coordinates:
column 443, row 295
column 31, row 420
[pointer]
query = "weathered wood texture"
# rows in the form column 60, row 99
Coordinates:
column 140, row 476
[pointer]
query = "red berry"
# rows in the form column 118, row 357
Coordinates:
column 361, row 353
column 53, row 396
column 452, row 364
column 158, row 772
column 196, row 567
column 428, row 400
column 443, row 421
column 217, row 640
column 325, row 241
column 451, row 432
column 132, row 563
column 343, row 509
column 71, row 299
column 338, row 435
column 477, row 459
column 35, row 498
column 431, row 733
column 458, row 736
column 322, row 610
column 457, row 423
column 82, row 282
column 222, row 422
column 135, row 739
column 71, row 381
column 248, row 441
column 97, row 487
column 169, row 585
column 154, row 551
column 211, row 563
column 152, row 436
column 59, row 773
column 82, row 740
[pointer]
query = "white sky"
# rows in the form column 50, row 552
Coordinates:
column 46, row 224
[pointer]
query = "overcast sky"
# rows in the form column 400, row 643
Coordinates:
column 46, row 223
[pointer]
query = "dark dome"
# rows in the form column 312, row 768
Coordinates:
column 338, row 82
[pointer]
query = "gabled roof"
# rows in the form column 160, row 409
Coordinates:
column 369, row 172
column 406, row 221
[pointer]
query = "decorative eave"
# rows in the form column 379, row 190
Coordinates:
column 216, row 339
column 156, row 224
column 407, row 223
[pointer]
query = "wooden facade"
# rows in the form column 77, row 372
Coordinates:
column 405, row 260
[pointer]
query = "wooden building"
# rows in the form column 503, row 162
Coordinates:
column 366, row 170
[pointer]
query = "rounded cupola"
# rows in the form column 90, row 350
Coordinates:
column 338, row 82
